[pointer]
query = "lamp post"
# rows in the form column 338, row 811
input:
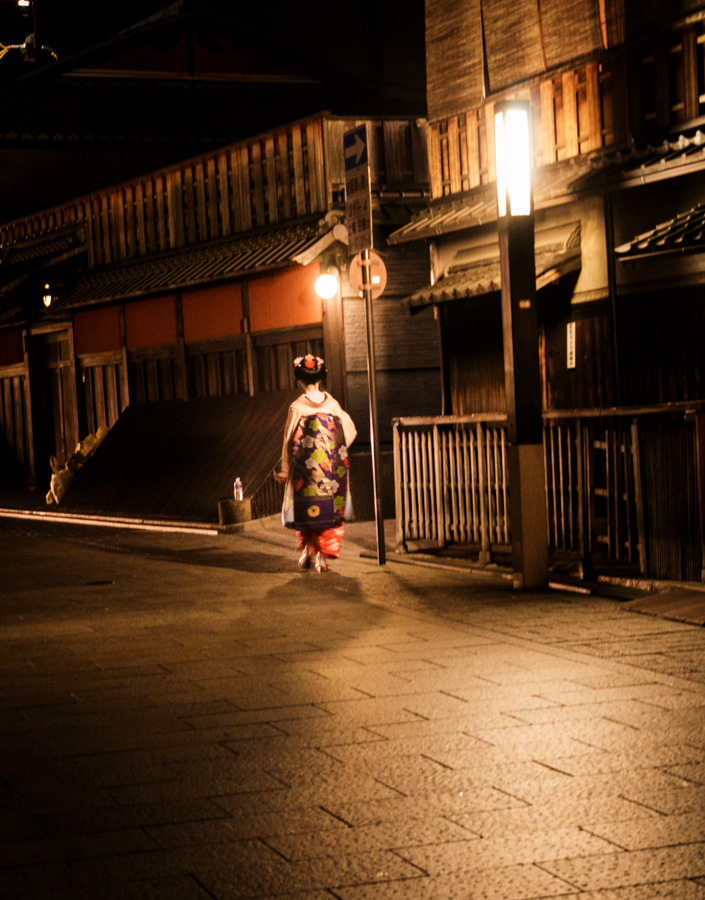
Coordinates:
column 525, row 457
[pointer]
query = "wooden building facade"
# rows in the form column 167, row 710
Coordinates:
column 618, row 100
column 197, row 281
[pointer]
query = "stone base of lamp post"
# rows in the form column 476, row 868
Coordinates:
column 527, row 499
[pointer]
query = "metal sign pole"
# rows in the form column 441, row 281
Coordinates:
column 372, row 381
column 358, row 214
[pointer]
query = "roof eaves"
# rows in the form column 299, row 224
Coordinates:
column 252, row 253
column 579, row 176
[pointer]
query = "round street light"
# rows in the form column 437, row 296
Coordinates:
column 326, row 286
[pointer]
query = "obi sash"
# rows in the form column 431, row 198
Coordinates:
column 319, row 475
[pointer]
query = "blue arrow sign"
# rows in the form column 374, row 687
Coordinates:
column 355, row 148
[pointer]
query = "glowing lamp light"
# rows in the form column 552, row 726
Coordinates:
column 326, row 286
column 513, row 157
column 47, row 297
column 23, row 2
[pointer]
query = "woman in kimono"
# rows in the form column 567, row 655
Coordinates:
column 315, row 467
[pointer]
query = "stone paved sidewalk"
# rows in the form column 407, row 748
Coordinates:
column 186, row 717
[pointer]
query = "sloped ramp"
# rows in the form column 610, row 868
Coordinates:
column 174, row 461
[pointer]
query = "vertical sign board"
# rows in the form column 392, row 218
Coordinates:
column 570, row 345
column 358, row 207
column 358, row 218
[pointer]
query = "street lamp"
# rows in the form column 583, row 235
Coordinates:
column 327, row 285
column 513, row 157
column 522, row 374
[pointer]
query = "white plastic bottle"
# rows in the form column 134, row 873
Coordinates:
column 237, row 489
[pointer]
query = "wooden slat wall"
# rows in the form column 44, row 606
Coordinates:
column 272, row 178
column 274, row 351
column 103, row 388
column 613, row 492
column 454, row 56
column 13, row 414
column 217, row 368
column 451, row 482
column 580, row 110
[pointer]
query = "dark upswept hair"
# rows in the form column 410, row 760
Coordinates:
column 309, row 369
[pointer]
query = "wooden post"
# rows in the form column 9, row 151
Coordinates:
column 483, row 490
column 438, row 479
column 398, row 494
column 334, row 346
column 29, row 419
column 250, row 360
column 700, row 458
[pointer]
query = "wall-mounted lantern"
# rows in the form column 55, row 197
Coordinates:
column 328, row 284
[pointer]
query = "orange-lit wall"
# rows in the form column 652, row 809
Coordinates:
column 11, row 351
column 212, row 312
column 151, row 323
column 286, row 298
column 97, row 330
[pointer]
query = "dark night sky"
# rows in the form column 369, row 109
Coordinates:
column 375, row 48
column 379, row 36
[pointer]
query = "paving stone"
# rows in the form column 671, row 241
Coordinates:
column 308, row 875
column 249, row 824
column 43, row 876
column 76, row 847
column 180, row 887
column 521, row 818
column 638, row 867
column 694, row 772
column 340, row 743
column 372, row 711
column 119, row 817
column 680, row 890
column 18, row 826
column 185, row 789
column 653, row 832
column 500, row 852
column 675, row 801
column 653, row 755
column 433, row 829
column 507, row 883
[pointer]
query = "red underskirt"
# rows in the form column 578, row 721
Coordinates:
column 328, row 541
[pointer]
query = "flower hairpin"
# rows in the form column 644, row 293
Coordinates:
column 308, row 362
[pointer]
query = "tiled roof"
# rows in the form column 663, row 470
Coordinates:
column 577, row 177
column 20, row 262
column 30, row 252
column 253, row 252
column 683, row 234
column 482, row 276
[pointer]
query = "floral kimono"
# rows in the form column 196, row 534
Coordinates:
column 317, row 498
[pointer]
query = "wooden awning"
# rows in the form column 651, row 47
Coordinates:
column 477, row 271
